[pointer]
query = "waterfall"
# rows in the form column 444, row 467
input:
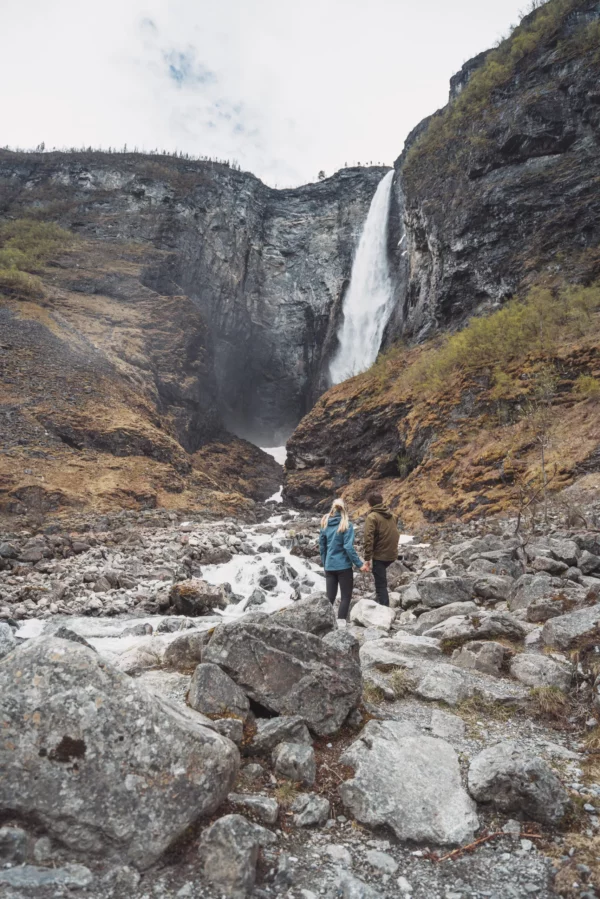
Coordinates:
column 368, row 302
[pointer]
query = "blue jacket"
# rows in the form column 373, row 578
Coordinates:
column 337, row 550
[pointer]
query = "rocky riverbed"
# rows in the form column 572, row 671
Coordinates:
column 182, row 717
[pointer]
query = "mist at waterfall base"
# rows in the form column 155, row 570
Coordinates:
column 368, row 301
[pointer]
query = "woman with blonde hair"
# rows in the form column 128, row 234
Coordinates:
column 336, row 545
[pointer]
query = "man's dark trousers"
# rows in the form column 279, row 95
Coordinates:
column 380, row 578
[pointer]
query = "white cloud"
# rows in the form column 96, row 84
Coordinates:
column 286, row 87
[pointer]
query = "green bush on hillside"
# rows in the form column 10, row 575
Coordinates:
column 27, row 246
column 587, row 387
column 522, row 327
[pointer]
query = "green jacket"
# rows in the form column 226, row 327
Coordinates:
column 381, row 535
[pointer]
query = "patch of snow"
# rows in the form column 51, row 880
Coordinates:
column 279, row 453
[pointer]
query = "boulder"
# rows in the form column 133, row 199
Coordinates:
column 196, row 597
column 34, row 879
column 552, row 566
column 568, row 631
column 185, row 651
column 512, row 780
column 346, row 886
column 7, row 639
column 589, row 563
column 288, row 671
column 342, row 641
column 446, row 683
column 530, row 587
column 263, row 808
column 229, row 852
column 540, row 671
column 213, row 692
column 549, row 607
column 410, row 782
column 310, row 810
column 13, row 845
column 439, row 591
column 314, row 615
column 295, row 761
column 454, row 609
column 485, row 656
column 272, row 731
column 492, row 587
column 369, row 613
column 392, row 651
column 481, row 626
column 102, row 765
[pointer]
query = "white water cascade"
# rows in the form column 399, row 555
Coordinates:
column 368, row 302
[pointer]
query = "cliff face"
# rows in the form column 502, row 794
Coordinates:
column 267, row 269
column 493, row 194
column 502, row 185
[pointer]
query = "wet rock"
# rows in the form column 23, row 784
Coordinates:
column 257, row 598
column 512, row 780
column 229, row 852
column 173, row 625
column 296, row 762
column 566, row 631
column 7, row 639
column 310, row 810
column 194, row 598
column 485, row 656
column 268, row 582
column 13, row 845
column 96, row 720
column 137, row 630
column 540, row 671
column 454, row 609
column 213, row 692
column 410, row 782
column 185, row 651
column 215, row 555
column 314, row 615
column 288, row 671
column 369, row 613
column 263, row 808
column 272, row 731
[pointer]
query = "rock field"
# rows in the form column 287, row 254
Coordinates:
column 182, row 717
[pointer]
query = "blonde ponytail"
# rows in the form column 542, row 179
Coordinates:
column 338, row 508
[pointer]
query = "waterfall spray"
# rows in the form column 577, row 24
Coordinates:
column 368, row 302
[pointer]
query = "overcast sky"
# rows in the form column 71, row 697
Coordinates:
column 285, row 87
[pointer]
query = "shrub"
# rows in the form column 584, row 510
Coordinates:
column 14, row 283
column 30, row 244
column 587, row 387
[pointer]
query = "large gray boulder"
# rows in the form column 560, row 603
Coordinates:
column 213, row 692
column 540, row 671
column 481, row 626
column 410, row 782
column 567, row 631
column 289, row 672
column 532, row 587
column 103, row 765
column 512, row 780
column 229, row 852
column 314, row 614
column 454, row 609
column 481, row 655
column 396, row 651
column 296, row 762
column 439, row 591
column 492, row 587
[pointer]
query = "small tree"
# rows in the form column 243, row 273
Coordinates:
column 321, row 176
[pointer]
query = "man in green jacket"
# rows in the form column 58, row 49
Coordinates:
column 380, row 544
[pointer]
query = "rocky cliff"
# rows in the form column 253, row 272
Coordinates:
column 495, row 195
column 502, row 184
column 266, row 268
column 153, row 306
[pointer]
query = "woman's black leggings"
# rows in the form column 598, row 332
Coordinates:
column 345, row 579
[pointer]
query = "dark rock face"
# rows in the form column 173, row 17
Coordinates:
column 494, row 204
column 266, row 268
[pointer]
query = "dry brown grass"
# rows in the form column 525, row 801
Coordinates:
column 286, row 792
column 549, row 702
column 372, row 693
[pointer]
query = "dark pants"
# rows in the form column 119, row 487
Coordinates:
column 345, row 579
column 380, row 578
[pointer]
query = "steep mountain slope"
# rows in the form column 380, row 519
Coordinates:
column 495, row 194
